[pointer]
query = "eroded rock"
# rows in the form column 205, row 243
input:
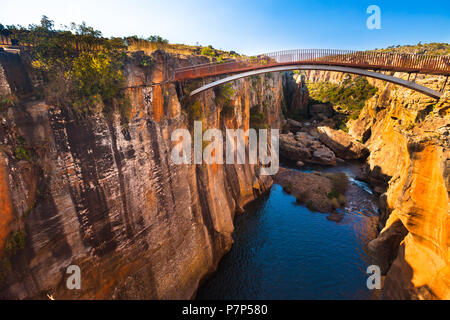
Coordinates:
column 343, row 144
column 305, row 148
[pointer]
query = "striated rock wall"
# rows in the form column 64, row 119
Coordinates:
column 91, row 191
column 407, row 134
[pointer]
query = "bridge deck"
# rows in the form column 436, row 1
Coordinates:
column 368, row 60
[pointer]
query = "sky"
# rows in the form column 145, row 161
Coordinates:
column 249, row 27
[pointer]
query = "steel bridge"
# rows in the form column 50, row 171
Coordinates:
column 366, row 63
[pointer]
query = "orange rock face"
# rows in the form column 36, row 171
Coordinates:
column 409, row 147
column 6, row 214
column 407, row 135
column 108, row 197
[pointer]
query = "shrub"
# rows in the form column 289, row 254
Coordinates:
column 157, row 39
column 223, row 94
column 208, row 51
column 196, row 111
column 339, row 180
column 96, row 73
column 350, row 94
column 333, row 194
column 82, row 69
column 146, row 62
column 22, row 154
column 6, row 102
column 258, row 119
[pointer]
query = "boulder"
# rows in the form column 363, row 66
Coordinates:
column 343, row 144
column 292, row 125
column 305, row 148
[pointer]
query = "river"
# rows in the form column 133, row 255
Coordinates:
column 283, row 250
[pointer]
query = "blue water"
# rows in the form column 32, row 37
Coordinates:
column 285, row 251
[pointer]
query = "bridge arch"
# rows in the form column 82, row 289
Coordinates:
column 408, row 84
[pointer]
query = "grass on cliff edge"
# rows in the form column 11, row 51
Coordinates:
column 79, row 68
column 432, row 48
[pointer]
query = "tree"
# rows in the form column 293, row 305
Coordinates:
column 46, row 23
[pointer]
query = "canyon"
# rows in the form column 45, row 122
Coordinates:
column 407, row 135
column 92, row 191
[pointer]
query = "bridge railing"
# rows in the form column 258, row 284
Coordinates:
column 359, row 59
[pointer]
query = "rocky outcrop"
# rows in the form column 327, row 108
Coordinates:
column 319, row 192
column 91, row 191
column 344, row 145
column 407, row 134
column 307, row 188
column 306, row 148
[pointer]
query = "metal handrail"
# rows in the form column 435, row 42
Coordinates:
column 359, row 59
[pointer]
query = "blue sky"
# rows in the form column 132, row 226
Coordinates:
column 249, row 27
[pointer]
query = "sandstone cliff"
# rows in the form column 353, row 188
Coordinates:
column 407, row 134
column 91, row 191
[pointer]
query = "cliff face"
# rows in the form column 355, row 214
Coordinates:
column 94, row 192
column 408, row 137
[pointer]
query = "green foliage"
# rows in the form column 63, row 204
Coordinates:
column 433, row 48
column 157, row 39
column 146, row 62
column 22, row 154
column 208, row 51
column 340, row 184
column 196, row 111
column 258, row 119
column 343, row 126
column 351, row 94
column 82, row 69
column 223, row 96
column 339, row 180
column 333, row 194
column 6, row 102
column 96, row 76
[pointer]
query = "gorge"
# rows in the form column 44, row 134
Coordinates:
column 93, row 190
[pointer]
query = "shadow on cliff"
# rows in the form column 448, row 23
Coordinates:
column 398, row 283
